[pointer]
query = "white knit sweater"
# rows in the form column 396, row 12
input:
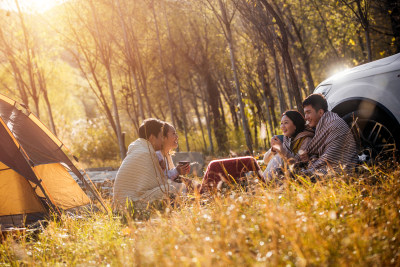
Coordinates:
column 140, row 177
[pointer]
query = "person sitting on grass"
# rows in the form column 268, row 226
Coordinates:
column 296, row 137
column 170, row 142
column 333, row 147
column 140, row 178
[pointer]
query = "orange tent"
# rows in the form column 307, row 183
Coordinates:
column 34, row 179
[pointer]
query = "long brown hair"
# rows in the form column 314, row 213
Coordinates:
column 166, row 128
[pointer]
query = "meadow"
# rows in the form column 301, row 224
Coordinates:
column 349, row 220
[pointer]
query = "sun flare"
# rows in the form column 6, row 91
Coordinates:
column 32, row 6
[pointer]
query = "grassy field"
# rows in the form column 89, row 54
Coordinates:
column 344, row 221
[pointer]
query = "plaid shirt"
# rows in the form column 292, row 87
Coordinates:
column 333, row 145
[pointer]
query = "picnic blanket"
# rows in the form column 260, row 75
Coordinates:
column 228, row 170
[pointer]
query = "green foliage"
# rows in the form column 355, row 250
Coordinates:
column 93, row 143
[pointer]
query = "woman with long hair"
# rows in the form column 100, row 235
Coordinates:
column 296, row 136
column 170, row 142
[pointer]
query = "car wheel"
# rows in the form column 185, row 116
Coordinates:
column 375, row 141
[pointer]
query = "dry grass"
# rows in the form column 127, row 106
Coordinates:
column 344, row 221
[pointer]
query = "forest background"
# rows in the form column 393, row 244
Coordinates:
column 221, row 71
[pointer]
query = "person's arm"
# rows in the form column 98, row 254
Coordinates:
column 287, row 153
column 160, row 159
column 173, row 174
column 296, row 158
column 178, row 170
column 268, row 156
column 330, row 156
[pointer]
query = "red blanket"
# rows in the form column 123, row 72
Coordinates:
column 228, row 170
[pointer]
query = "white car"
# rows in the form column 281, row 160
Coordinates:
column 368, row 98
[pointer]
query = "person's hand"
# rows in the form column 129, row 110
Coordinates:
column 276, row 144
column 183, row 169
column 304, row 156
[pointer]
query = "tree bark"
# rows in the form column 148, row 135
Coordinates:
column 261, row 69
column 393, row 9
column 286, row 55
column 43, row 88
column 163, row 65
column 29, row 64
column 281, row 95
column 226, row 24
column 196, row 109
column 130, row 60
column 106, row 64
column 9, row 54
column 206, row 115
column 175, row 71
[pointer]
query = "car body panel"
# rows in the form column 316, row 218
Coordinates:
column 377, row 81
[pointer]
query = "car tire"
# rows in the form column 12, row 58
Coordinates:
column 376, row 140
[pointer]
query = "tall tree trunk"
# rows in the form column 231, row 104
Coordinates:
column 290, row 98
column 393, row 10
column 99, row 93
column 144, row 83
column 16, row 71
column 261, row 69
column 281, row 95
column 361, row 43
column 162, row 64
column 130, row 59
column 138, row 95
column 128, row 97
column 139, row 68
column 310, row 80
column 196, row 110
column 368, row 42
column 206, row 115
column 255, row 128
column 286, row 55
column 363, row 15
column 43, row 88
column 225, row 90
column 327, row 33
column 29, row 64
column 106, row 63
column 221, row 106
column 235, row 121
column 121, row 141
column 219, row 129
column 229, row 38
column 183, row 113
